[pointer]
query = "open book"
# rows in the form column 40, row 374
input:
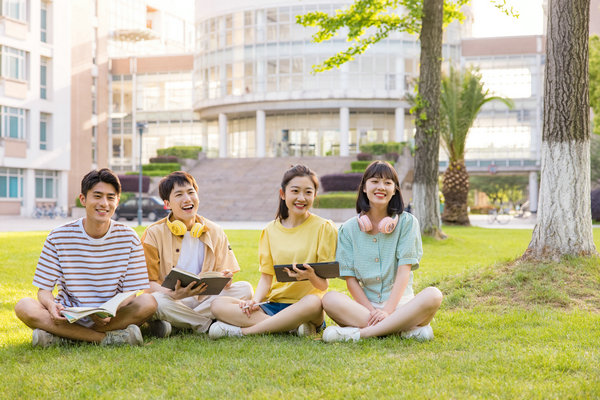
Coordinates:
column 215, row 281
column 325, row 270
column 108, row 309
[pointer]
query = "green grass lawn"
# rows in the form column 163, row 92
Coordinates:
column 506, row 330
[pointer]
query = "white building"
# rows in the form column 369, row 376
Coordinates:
column 256, row 96
column 34, row 104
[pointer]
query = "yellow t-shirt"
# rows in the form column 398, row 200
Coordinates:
column 312, row 241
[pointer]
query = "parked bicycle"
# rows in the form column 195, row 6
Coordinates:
column 48, row 211
column 500, row 216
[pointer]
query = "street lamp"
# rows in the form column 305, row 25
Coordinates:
column 140, row 126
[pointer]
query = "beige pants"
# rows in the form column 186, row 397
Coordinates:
column 190, row 313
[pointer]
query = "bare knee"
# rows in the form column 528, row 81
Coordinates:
column 330, row 300
column 313, row 302
column 434, row 298
column 25, row 311
column 147, row 305
column 218, row 305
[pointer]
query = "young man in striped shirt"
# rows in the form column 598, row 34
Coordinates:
column 90, row 260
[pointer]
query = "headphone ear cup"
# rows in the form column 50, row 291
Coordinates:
column 387, row 225
column 364, row 223
column 177, row 227
column 197, row 230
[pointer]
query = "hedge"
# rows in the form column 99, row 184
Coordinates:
column 383, row 148
column 161, row 166
column 360, row 166
column 129, row 183
column 181, row 151
column 336, row 200
column 164, row 159
column 341, row 182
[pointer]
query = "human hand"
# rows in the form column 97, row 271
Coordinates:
column 376, row 316
column 300, row 273
column 227, row 274
column 54, row 309
column 249, row 306
column 181, row 292
column 100, row 322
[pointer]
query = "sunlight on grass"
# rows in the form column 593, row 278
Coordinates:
column 545, row 350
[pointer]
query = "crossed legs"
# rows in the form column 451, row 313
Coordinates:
column 417, row 312
column 308, row 309
column 36, row 316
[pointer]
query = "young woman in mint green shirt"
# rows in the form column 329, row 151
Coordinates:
column 377, row 251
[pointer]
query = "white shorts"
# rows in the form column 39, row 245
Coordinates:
column 403, row 301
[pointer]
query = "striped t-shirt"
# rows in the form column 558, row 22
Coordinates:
column 91, row 271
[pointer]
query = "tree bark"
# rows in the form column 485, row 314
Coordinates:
column 564, row 224
column 427, row 139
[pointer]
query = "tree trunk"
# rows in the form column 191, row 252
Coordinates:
column 455, row 188
column 564, row 225
column 427, row 138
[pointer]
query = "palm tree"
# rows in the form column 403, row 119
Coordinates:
column 463, row 95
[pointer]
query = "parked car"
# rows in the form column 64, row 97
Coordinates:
column 153, row 208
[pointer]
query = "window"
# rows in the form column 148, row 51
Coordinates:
column 13, row 122
column 44, row 134
column 43, row 22
column 13, row 63
column 11, row 183
column 46, row 184
column 94, row 144
column 43, row 78
column 14, row 9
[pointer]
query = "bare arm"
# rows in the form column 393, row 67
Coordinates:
column 264, row 284
column 46, row 298
column 398, row 289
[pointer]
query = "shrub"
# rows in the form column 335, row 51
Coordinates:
column 383, row 148
column 129, row 183
column 341, row 182
column 180, row 151
column 164, row 159
column 364, row 156
column 482, row 209
column 360, row 166
column 336, row 200
column 392, row 157
column 161, row 166
column 596, row 205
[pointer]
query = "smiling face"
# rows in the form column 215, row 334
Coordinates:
column 183, row 202
column 299, row 195
column 100, row 203
column 379, row 190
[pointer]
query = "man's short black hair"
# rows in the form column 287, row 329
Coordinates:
column 100, row 175
column 166, row 184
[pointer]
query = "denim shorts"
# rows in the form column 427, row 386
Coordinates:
column 272, row 308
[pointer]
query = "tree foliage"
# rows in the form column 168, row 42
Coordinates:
column 463, row 95
column 501, row 188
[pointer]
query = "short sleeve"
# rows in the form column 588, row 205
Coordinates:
column 265, row 258
column 48, row 269
column 137, row 273
column 327, row 242
column 345, row 252
column 224, row 254
column 409, row 249
column 151, row 254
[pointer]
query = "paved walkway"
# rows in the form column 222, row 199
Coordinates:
column 18, row 224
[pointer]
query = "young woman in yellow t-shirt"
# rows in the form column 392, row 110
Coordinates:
column 295, row 237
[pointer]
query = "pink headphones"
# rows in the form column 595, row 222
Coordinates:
column 386, row 225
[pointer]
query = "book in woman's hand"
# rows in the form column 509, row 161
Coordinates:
column 108, row 309
column 215, row 281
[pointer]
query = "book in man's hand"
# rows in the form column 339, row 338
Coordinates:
column 108, row 309
column 215, row 281
column 325, row 270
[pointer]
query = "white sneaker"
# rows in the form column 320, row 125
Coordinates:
column 43, row 339
column 339, row 334
column 129, row 336
column 220, row 329
column 420, row 333
column 306, row 329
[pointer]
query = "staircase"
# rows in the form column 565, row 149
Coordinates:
column 247, row 189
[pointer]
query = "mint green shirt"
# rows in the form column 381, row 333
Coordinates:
column 374, row 259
